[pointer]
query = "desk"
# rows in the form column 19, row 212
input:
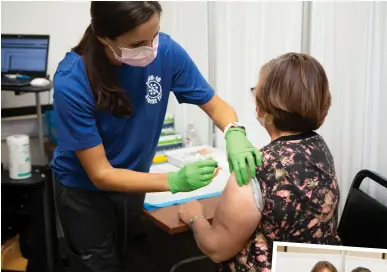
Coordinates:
column 167, row 218
column 36, row 91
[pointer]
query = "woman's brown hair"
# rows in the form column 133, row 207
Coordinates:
column 294, row 89
column 361, row 269
column 323, row 264
column 110, row 19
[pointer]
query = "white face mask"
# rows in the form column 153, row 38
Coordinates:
column 261, row 121
column 139, row 56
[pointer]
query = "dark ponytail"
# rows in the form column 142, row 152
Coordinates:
column 100, row 72
column 110, row 19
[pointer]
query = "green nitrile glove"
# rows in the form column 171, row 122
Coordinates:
column 192, row 176
column 241, row 152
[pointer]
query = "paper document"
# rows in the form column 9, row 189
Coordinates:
column 164, row 199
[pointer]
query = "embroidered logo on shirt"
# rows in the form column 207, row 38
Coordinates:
column 154, row 90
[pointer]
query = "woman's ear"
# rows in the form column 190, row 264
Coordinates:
column 258, row 113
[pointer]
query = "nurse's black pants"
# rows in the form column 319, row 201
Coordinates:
column 98, row 227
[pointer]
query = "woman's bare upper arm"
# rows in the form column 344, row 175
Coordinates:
column 237, row 214
column 94, row 161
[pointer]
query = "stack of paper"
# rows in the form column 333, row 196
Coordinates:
column 164, row 199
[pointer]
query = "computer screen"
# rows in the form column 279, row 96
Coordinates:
column 24, row 54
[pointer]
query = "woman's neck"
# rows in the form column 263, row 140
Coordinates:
column 275, row 134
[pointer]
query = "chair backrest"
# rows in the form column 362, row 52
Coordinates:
column 364, row 219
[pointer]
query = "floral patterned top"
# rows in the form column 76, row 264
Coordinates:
column 300, row 200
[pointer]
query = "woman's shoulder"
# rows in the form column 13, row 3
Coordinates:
column 297, row 156
column 70, row 78
column 70, row 69
column 165, row 43
column 71, row 63
column 307, row 146
column 170, row 47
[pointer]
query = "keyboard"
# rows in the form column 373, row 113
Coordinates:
column 8, row 82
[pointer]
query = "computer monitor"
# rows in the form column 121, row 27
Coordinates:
column 24, row 54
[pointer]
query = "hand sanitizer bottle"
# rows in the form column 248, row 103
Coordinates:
column 191, row 137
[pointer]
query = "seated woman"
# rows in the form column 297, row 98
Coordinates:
column 324, row 266
column 295, row 196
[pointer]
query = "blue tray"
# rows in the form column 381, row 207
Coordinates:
column 151, row 207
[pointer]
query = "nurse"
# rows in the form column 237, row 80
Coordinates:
column 110, row 97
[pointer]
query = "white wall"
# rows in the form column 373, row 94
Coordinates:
column 65, row 22
column 249, row 34
column 187, row 23
column 350, row 40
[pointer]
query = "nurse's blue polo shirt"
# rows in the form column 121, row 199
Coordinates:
column 130, row 142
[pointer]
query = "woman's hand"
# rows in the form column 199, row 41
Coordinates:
column 190, row 209
column 241, row 154
column 192, row 176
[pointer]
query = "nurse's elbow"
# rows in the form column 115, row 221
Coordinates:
column 216, row 258
column 96, row 165
column 100, row 179
column 99, row 183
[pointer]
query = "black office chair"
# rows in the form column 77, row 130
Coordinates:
column 364, row 219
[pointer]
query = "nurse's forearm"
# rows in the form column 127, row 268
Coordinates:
column 220, row 112
column 106, row 177
column 123, row 180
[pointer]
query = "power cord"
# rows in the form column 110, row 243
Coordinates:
column 188, row 260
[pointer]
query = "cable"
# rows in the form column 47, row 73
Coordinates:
column 125, row 248
column 188, row 260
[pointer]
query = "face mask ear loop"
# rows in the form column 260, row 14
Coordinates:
column 114, row 53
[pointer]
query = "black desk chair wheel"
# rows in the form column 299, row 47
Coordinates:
column 364, row 219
